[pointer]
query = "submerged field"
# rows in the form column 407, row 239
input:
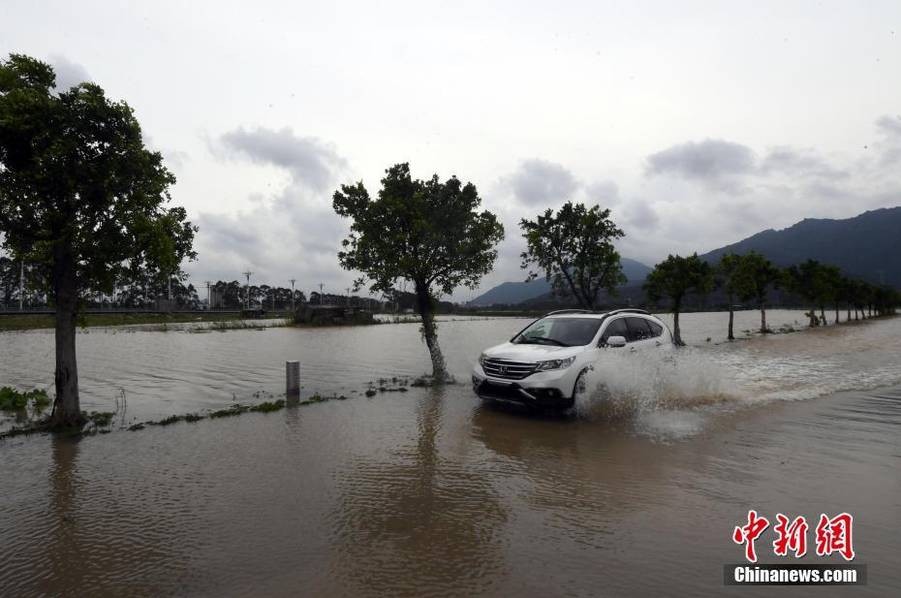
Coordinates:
column 430, row 491
column 45, row 321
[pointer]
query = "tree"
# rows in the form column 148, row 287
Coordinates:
column 811, row 281
column 731, row 277
column 760, row 274
column 844, row 295
column 830, row 289
column 81, row 197
column 675, row 277
column 9, row 281
column 426, row 232
column 575, row 250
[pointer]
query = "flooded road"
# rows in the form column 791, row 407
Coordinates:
column 431, row 492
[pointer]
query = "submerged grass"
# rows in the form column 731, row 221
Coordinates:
column 100, row 422
column 269, row 406
column 16, row 400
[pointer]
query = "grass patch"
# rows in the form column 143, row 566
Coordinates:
column 16, row 400
column 318, row 398
column 235, row 409
column 101, row 419
column 269, row 406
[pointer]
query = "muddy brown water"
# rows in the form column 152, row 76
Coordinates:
column 431, row 492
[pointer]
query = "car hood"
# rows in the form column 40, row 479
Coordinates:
column 522, row 352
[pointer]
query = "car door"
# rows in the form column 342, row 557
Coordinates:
column 639, row 337
column 661, row 336
column 615, row 327
column 647, row 333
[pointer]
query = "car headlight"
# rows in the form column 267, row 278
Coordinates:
column 555, row 364
column 482, row 359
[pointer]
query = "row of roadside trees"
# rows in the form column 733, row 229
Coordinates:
column 750, row 278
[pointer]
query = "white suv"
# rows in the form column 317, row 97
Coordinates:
column 545, row 364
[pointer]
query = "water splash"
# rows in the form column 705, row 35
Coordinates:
column 624, row 385
column 672, row 395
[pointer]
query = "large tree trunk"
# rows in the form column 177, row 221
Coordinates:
column 430, row 332
column 66, row 407
column 763, row 328
column 836, row 313
column 677, row 334
column 731, row 336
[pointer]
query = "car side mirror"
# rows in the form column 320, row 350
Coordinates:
column 616, row 341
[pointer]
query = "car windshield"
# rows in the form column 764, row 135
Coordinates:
column 562, row 332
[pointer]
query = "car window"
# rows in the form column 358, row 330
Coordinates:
column 616, row 328
column 656, row 329
column 638, row 329
column 569, row 332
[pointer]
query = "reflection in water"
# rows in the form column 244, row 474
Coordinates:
column 67, row 558
column 411, row 519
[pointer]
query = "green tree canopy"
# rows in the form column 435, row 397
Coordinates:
column 732, row 278
column 81, row 196
column 674, row 278
column 574, row 249
column 758, row 275
column 425, row 231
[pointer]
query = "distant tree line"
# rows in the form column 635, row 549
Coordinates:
column 750, row 278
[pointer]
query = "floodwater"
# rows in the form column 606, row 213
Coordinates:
column 430, row 492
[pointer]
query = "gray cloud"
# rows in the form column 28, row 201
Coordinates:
column 708, row 160
column 794, row 162
column 541, row 183
column 289, row 233
column 639, row 214
column 309, row 160
column 890, row 126
column 68, row 73
column 603, row 193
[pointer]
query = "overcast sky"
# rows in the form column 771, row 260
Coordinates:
column 698, row 123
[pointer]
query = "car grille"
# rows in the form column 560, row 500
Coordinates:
column 510, row 370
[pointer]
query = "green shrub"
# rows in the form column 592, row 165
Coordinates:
column 15, row 400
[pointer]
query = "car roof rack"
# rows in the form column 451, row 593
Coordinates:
column 569, row 311
column 628, row 310
column 625, row 310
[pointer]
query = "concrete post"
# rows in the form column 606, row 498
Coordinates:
column 292, row 378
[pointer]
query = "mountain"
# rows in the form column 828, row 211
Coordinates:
column 514, row 293
column 867, row 246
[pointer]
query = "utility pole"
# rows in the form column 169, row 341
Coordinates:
column 293, row 310
column 320, row 293
column 348, row 297
column 209, row 305
column 21, row 282
column 247, row 290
